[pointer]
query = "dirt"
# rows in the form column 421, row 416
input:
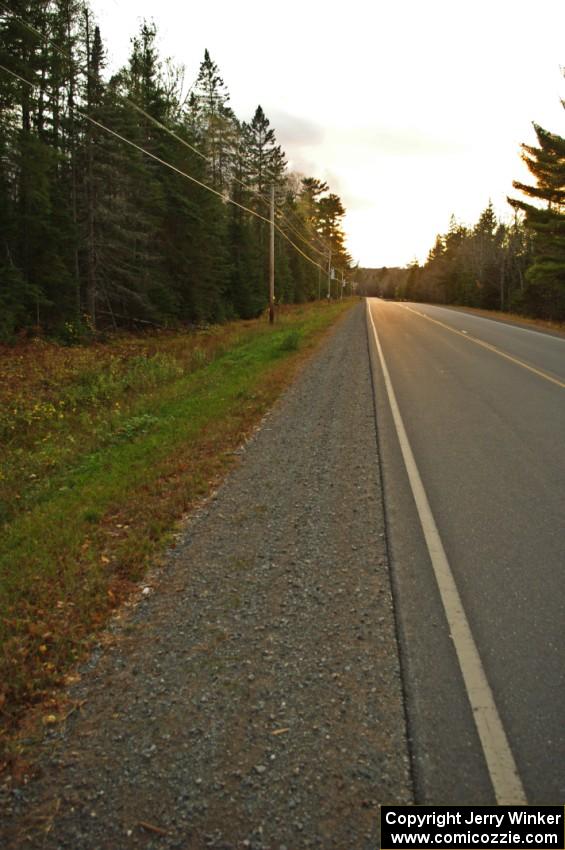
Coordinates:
column 253, row 697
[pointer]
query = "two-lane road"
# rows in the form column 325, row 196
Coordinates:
column 483, row 407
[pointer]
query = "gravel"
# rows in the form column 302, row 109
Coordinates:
column 252, row 697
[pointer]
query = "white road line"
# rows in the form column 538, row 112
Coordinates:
column 501, row 766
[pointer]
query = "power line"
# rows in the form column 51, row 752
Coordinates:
column 124, row 97
column 233, row 176
column 153, row 156
column 174, row 135
column 303, row 238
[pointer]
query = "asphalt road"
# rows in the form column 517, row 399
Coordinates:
column 483, row 405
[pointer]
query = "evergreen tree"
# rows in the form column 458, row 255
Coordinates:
column 91, row 225
column 545, row 292
column 485, row 257
column 247, row 291
column 213, row 121
column 308, row 205
column 93, row 188
column 267, row 162
column 39, row 254
column 482, row 266
column 330, row 213
column 133, row 205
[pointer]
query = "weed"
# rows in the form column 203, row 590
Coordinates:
column 105, row 449
column 135, row 426
column 92, row 516
column 291, row 341
column 199, row 358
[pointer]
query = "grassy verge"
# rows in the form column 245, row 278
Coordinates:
column 103, row 450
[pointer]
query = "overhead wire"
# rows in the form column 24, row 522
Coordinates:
column 184, row 142
column 174, row 135
column 153, row 156
column 168, row 130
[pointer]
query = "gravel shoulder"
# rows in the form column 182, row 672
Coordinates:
column 253, row 698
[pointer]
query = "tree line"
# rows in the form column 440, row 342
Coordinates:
column 517, row 266
column 107, row 218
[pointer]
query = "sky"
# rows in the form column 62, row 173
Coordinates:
column 411, row 110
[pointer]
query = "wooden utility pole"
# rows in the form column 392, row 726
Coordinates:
column 330, row 275
column 272, row 259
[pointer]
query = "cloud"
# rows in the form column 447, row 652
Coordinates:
column 348, row 194
column 301, row 139
column 294, row 131
column 400, row 141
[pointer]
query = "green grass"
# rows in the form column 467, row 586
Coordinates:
column 109, row 450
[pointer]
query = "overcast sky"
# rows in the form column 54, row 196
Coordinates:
column 411, row 110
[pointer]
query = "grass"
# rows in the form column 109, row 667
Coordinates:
column 103, row 450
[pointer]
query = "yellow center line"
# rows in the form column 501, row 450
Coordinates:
column 488, row 346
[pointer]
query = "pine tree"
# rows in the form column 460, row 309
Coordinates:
column 330, row 213
column 267, row 162
column 93, row 180
column 18, row 294
column 247, row 292
column 308, row 199
column 213, row 121
column 42, row 249
column 545, row 292
column 89, row 224
column 266, row 166
column 485, row 257
column 133, row 205
column 459, row 285
column 305, row 275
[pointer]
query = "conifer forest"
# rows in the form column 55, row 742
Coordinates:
column 497, row 265
column 139, row 199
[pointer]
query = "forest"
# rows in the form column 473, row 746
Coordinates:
column 496, row 265
column 138, row 201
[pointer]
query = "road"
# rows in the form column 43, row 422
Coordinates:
column 483, row 406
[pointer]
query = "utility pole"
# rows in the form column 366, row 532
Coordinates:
column 319, row 283
column 272, row 259
column 342, row 285
column 330, row 275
